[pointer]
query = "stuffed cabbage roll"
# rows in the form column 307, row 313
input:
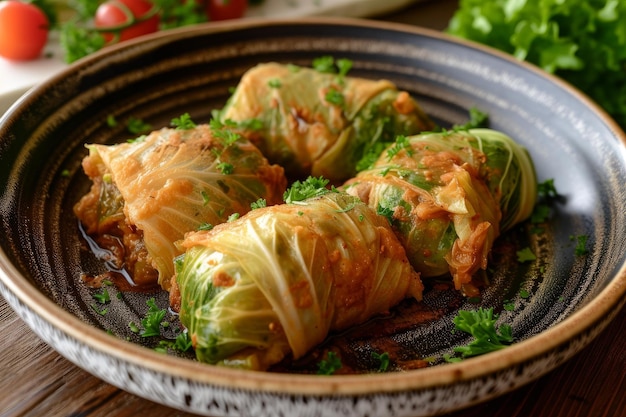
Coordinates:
column 448, row 196
column 279, row 279
column 320, row 123
column 148, row 193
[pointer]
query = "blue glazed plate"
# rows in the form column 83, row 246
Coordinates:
column 570, row 298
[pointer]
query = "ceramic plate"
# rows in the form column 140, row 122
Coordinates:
column 557, row 304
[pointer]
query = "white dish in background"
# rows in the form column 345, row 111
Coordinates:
column 17, row 77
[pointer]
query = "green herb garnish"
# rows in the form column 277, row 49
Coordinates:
column 225, row 168
column 525, row 255
column 402, row 143
column 330, row 365
column 103, row 297
column 260, row 203
column 302, row 190
column 386, row 212
column 274, row 83
column 152, row 321
column 137, row 126
column 383, row 360
column 205, row 226
column 183, row 122
column 481, row 325
column 335, row 97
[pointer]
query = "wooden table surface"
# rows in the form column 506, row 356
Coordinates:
column 37, row 381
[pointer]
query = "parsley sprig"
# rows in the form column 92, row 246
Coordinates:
column 330, row 365
column 152, row 321
column 481, row 324
column 383, row 360
column 303, row 190
column 183, row 122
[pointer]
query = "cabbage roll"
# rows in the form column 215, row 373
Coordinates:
column 448, row 196
column 279, row 279
column 148, row 193
column 318, row 123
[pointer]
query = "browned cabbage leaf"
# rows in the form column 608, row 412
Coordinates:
column 152, row 191
column 320, row 124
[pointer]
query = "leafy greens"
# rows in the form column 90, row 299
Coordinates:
column 582, row 41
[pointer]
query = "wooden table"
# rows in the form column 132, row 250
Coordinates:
column 37, row 381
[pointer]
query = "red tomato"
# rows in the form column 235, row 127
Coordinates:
column 226, row 9
column 129, row 18
column 23, row 30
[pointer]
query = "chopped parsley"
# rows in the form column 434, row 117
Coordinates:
column 385, row 212
column 402, row 143
column 97, row 310
column 260, row 203
column 303, row 190
column 103, row 297
column 333, row 96
column 344, row 66
column 183, row 122
column 133, row 327
column 541, row 213
column 137, row 126
column 328, row 65
column 325, row 64
column 232, row 217
column 330, row 365
column 205, row 226
column 111, row 121
column 525, row 255
column 581, row 244
column 547, row 190
column 223, row 130
column 383, row 360
column 481, row 325
column 225, row 168
column 274, row 83
column 152, row 321
column 182, row 343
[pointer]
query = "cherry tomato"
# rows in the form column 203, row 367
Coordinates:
column 23, row 30
column 226, row 9
column 120, row 20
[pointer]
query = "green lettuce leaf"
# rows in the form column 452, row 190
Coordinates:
column 582, row 41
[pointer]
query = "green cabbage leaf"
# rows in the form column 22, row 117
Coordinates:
column 449, row 195
column 318, row 123
column 279, row 279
